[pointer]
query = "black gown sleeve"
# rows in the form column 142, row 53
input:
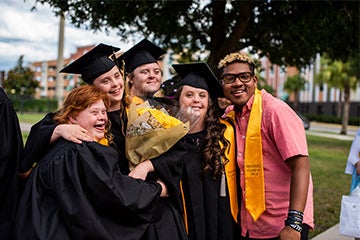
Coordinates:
column 77, row 192
column 38, row 142
column 118, row 119
column 11, row 147
column 168, row 167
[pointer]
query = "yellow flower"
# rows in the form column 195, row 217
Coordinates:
column 163, row 118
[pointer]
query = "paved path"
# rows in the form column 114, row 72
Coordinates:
column 332, row 234
column 25, row 127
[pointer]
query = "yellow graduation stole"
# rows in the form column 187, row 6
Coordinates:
column 253, row 162
column 184, row 209
column 230, row 169
column 104, row 142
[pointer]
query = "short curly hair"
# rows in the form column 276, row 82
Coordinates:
column 237, row 57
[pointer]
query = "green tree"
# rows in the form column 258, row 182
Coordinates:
column 295, row 84
column 288, row 32
column 343, row 76
column 262, row 84
column 20, row 80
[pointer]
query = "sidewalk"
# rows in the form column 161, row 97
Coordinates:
column 25, row 127
column 332, row 234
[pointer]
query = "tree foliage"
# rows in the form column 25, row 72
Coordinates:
column 343, row 76
column 20, row 80
column 288, row 32
column 295, row 84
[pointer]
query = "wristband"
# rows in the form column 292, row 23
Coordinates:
column 295, row 212
column 294, row 226
column 294, row 220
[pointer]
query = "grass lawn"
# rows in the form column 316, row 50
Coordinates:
column 30, row 117
column 328, row 159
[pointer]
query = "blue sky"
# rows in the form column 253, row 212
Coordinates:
column 34, row 34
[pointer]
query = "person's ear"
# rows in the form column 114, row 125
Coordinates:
column 72, row 119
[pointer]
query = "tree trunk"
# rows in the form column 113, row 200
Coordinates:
column 345, row 118
column 339, row 105
column 296, row 100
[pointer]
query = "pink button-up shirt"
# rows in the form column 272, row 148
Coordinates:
column 283, row 136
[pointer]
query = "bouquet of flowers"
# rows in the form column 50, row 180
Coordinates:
column 151, row 132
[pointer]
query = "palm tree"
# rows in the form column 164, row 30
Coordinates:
column 295, row 84
column 341, row 75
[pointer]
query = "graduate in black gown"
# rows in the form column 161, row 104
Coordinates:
column 76, row 191
column 144, row 78
column 97, row 67
column 11, row 147
column 209, row 171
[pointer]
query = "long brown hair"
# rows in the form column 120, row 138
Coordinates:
column 214, row 157
column 78, row 100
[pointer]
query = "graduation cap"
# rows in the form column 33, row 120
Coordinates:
column 92, row 64
column 142, row 53
column 199, row 75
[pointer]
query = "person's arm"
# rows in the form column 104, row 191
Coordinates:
column 168, row 168
column 300, row 168
column 142, row 170
column 357, row 166
column 71, row 132
column 37, row 143
column 109, row 189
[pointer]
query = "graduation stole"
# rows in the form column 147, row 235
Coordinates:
column 230, row 168
column 253, row 162
column 104, row 142
column 186, row 224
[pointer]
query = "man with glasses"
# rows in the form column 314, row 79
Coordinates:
column 272, row 157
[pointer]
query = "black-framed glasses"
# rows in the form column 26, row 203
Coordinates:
column 244, row 77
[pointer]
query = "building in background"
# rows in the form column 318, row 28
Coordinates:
column 45, row 73
column 314, row 99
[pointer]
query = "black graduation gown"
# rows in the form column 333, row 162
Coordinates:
column 11, row 146
column 38, row 141
column 168, row 166
column 119, row 137
column 77, row 192
column 208, row 214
